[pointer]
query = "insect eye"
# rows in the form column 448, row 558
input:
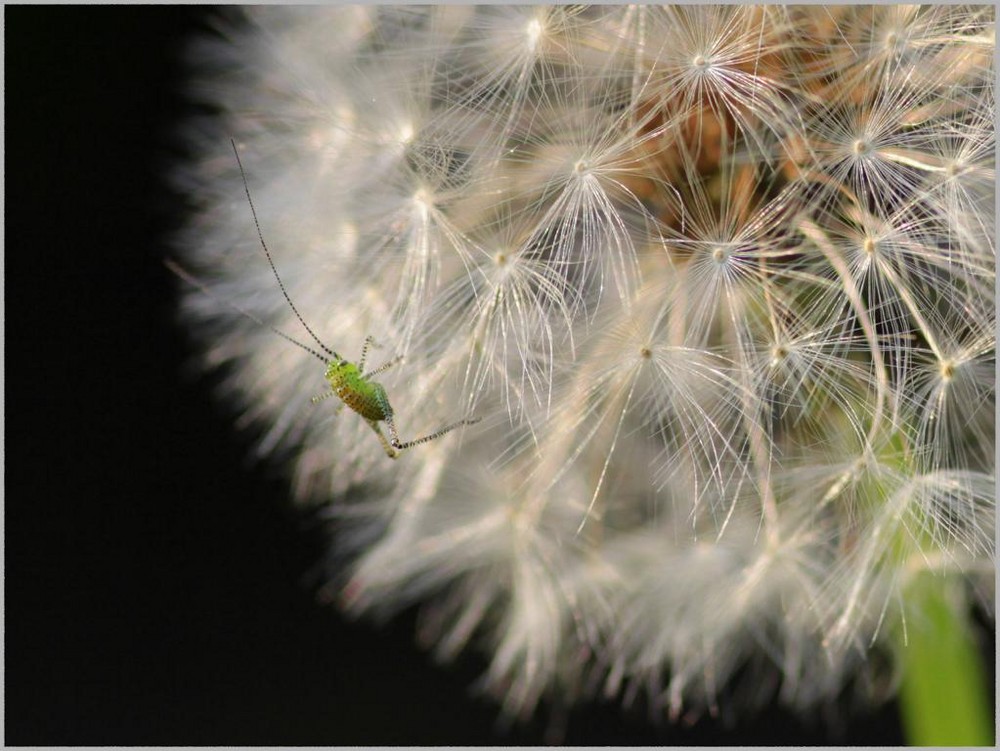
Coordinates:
column 342, row 363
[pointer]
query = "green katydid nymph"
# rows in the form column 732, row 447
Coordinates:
column 348, row 381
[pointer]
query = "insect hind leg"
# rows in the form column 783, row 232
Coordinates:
column 403, row 445
column 390, row 451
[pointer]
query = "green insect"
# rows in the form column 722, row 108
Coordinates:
column 348, row 381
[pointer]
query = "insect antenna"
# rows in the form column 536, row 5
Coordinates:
column 179, row 271
column 270, row 261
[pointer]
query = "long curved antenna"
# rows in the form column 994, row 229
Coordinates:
column 183, row 274
column 281, row 284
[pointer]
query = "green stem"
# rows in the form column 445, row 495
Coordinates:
column 943, row 696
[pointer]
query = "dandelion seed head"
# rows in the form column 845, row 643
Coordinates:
column 718, row 280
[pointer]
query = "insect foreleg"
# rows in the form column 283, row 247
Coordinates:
column 384, row 366
column 326, row 395
column 369, row 342
column 321, row 397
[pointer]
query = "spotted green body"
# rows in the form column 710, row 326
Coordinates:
column 365, row 397
column 368, row 398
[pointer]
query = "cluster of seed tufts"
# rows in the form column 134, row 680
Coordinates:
column 718, row 280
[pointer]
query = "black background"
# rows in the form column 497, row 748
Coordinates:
column 156, row 583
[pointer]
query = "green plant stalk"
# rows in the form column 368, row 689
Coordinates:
column 943, row 696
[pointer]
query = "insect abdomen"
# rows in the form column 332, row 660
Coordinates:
column 367, row 398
